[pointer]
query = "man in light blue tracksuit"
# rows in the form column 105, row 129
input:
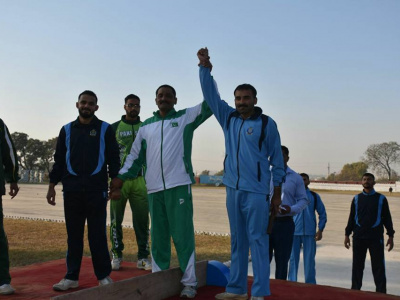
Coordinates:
column 253, row 152
column 305, row 235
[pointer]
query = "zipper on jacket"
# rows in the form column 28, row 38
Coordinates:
column 237, row 156
column 161, row 152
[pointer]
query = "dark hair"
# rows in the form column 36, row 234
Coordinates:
column 167, row 86
column 305, row 175
column 89, row 93
column 246, row 86
column 131, row 97
column 285, row 149
column 369, row 175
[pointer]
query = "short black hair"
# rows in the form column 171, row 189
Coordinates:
column 167, row 86
column 369, row 175
column 285, row 149
column 131, row 97
column 89, row 93
column 305, row 175
column 246, row 86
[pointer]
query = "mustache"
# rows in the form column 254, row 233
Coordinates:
column 242, row 105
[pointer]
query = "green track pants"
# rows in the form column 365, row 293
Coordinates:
column 171, row 213
column 135, row 191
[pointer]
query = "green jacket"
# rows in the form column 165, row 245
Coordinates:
column 125, row 133
column 8, row 158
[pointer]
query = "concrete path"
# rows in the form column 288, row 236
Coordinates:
column 333, row 260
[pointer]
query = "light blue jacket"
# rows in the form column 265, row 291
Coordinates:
column 306, row 222
column 250, row 151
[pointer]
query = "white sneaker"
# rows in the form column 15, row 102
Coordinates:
column 144, row 264
column 256, row 298
column 105, row 281
column 188, row 292
column 65, row 284
column 116, row 263
column 6, row 289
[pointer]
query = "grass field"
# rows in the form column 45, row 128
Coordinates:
column 39, row 241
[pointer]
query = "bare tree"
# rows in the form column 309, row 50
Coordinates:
column 382, row 157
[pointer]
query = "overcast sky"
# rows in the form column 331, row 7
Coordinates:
column 328, row 72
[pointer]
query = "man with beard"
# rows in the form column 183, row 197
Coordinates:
column 86, row 150
column 369, row 213
column 164, row 144
column 133, row 190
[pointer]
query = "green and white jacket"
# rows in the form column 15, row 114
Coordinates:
column 164, row 145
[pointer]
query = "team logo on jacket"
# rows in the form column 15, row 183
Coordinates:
column 250, row 130
column 93, row 132
column 174, row 124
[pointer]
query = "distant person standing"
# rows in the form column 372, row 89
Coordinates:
column 133, row 190
column 86, row 155
column 8, row 173
column 306, row 236
column 369, row 213
column 294, row 200
column 390, row 190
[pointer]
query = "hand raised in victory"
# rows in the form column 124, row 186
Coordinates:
column 204, row 58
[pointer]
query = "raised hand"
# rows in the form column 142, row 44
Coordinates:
column 204, row 58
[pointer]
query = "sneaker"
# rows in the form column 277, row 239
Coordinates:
column 116, row 263
column 65, row 284
column 256, row 298
column 106, row 280
column 6, row 289
column 231, row 296
column 188, row 292
column 144, row 264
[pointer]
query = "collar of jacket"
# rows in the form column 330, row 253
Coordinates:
column 255, row 115
column 369, row 194
column 123, row 119
column 76, row 123
column 168, row 116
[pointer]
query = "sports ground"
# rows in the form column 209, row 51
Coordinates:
column 333, row 260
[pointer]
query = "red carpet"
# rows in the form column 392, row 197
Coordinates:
column 36, row 281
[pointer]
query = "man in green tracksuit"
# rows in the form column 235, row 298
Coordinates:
column 133, row 190
column 164, row 143
column 9, row 173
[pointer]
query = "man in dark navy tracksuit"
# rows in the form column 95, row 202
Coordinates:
column 86, row 151
column 369, row 213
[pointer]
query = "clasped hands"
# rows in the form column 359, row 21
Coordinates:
column 115, row 188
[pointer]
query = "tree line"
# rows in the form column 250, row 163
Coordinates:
column 380, row 158
column 34, row 154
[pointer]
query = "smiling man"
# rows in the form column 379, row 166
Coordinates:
column 86, row 155
column 253, row 155
column 164, row 144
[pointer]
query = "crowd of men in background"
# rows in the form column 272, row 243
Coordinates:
column 272, row 212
